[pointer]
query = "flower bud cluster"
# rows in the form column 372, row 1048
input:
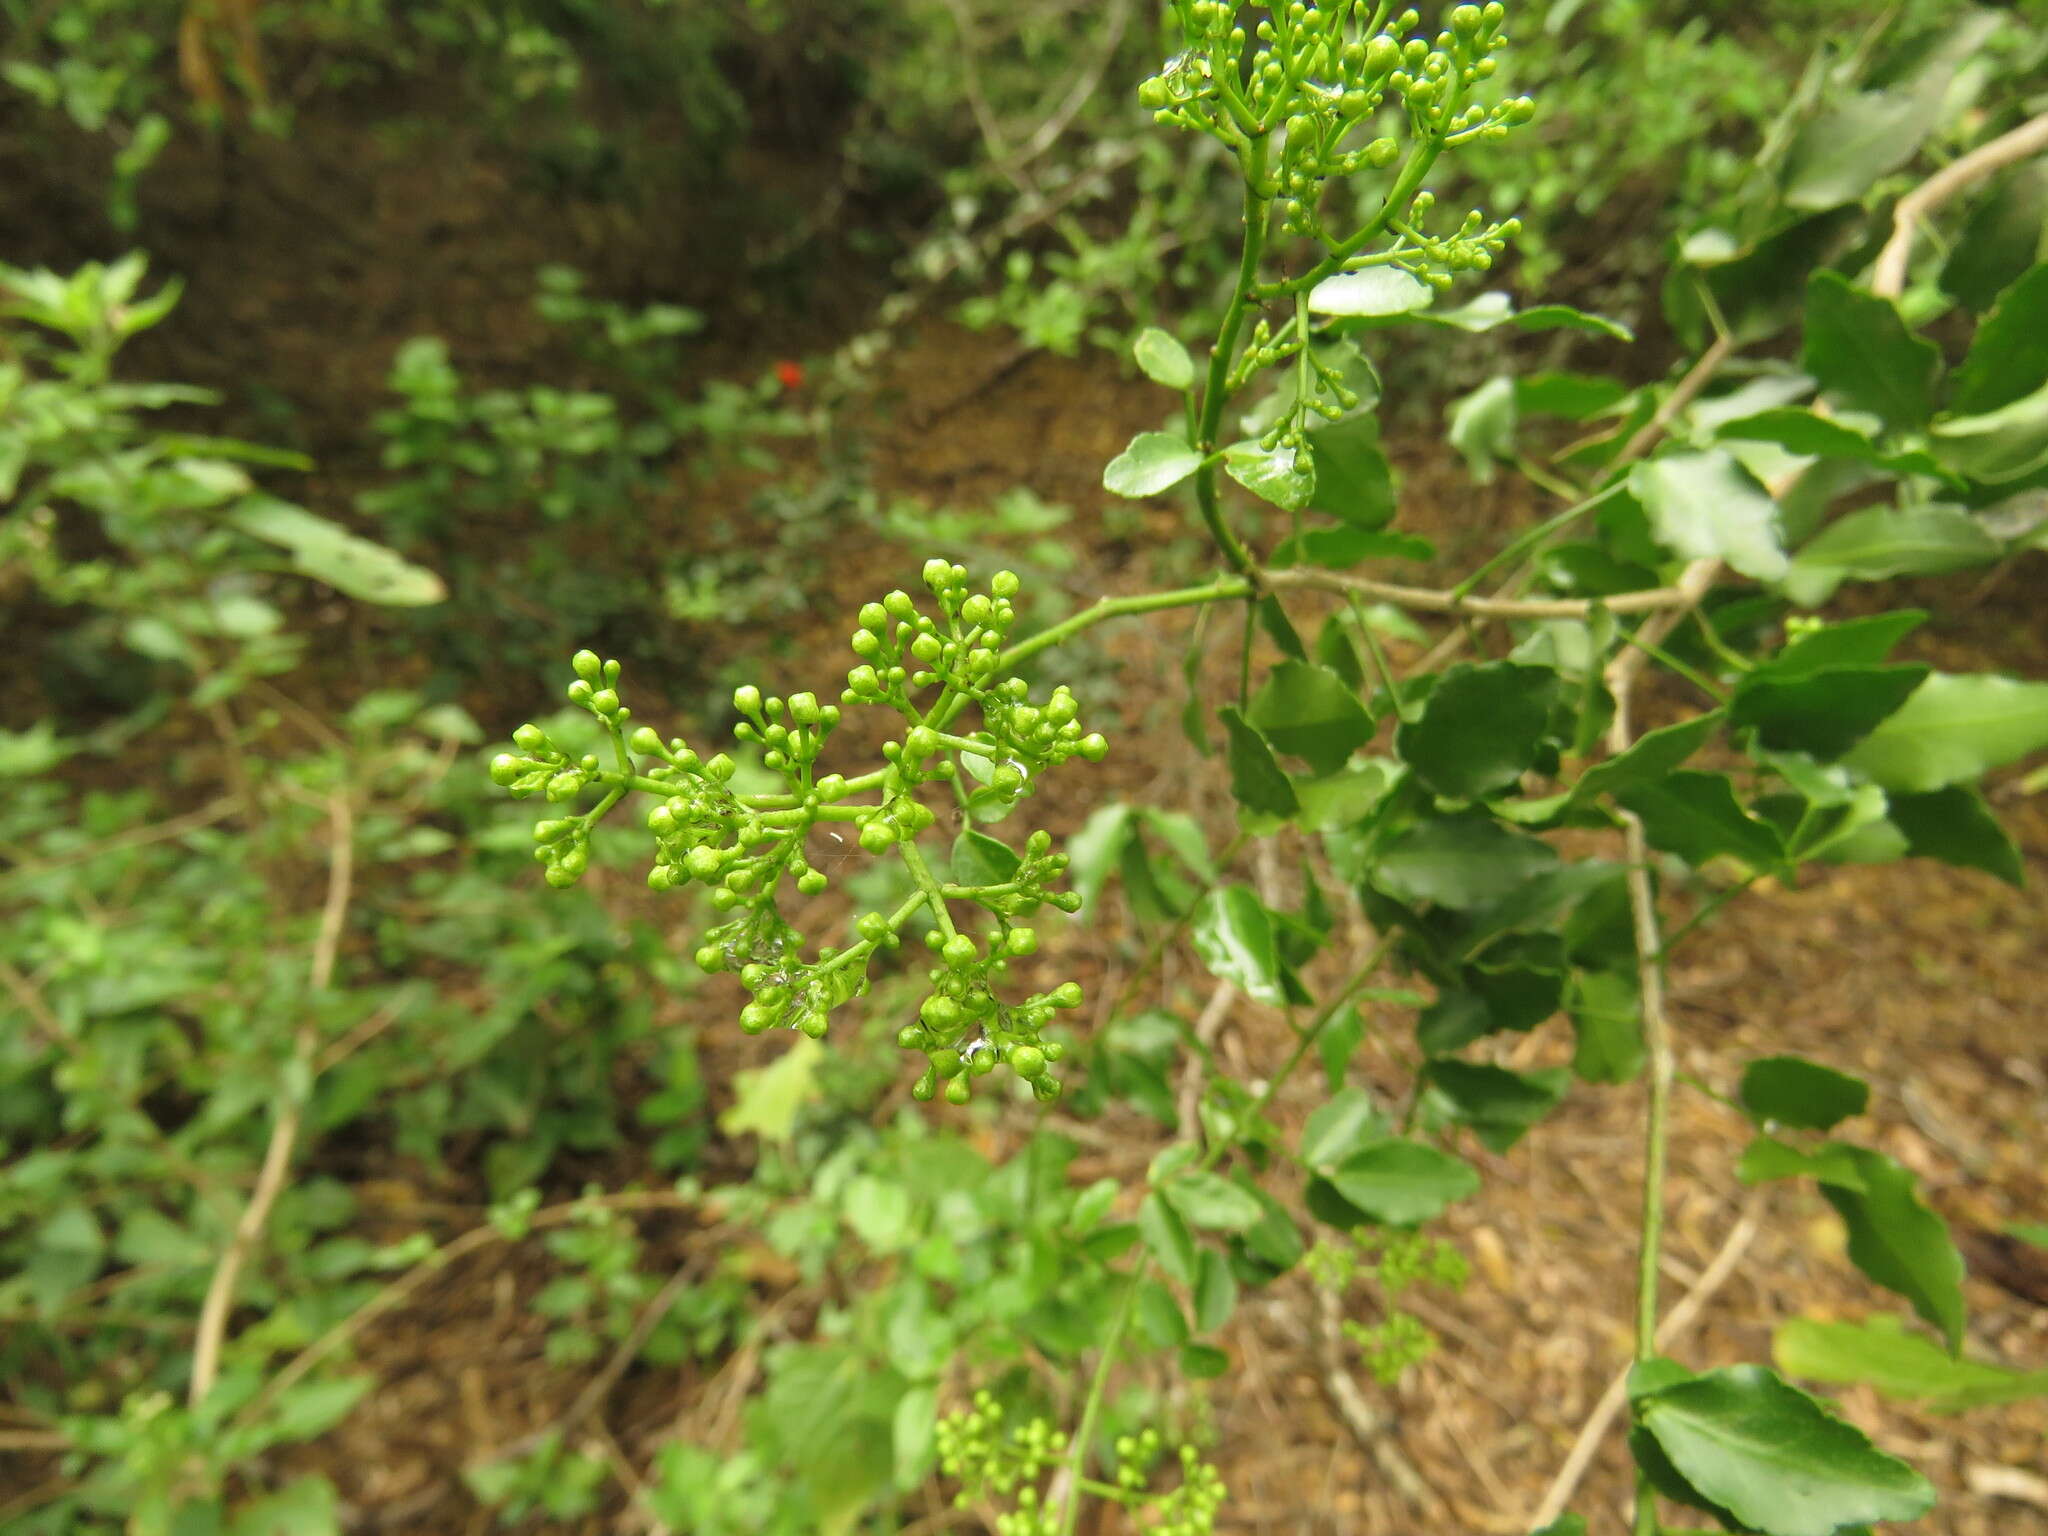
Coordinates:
column 741, row 849
column 995, row 1460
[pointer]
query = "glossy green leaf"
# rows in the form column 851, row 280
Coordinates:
column 1255, row 778
column 1775, row 1458
column 1404, row 1182
column 1481, row 728
column 1354, row 482
column 1707, row 506
column 1233, row 934
column 1766, row 1159
column 1336, row 1045
column 1212, row 1202
column 1459, row 862
column 1344, row 1124
column 328, row 552
column 1500, row 1106
column 1796, row 1092
column 1877, row 542
column 1274, row 621
column 1280, row 475
column 1309, row 712
column 1562, row 317
column 1882, row 1354
column 1955, row 728
column 2008, row 357
column 1822, row 713
column 1957, row 826
column 1654, row 755
column 1696, row 816
column 979, row 859
column 1347, row 798
column 1373, row 291
column 1162, row 359
column 1482, row 426
column 1154, row 462
column 1901, row 1244
column 1860, row 349
column 2006, row 444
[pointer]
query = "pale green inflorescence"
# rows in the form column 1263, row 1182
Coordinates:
column 742, row 848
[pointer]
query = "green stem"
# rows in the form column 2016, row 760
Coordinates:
column 1524, row 542
column 1222, row 590
column 1216, row 391
column 1091, row 1406
column 928, row 884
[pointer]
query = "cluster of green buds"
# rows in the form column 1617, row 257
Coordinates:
column 992, row 1458
column 741, row 848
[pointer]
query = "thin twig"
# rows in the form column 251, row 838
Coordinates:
column 1689, row 1307
column 1432, row 600
column 138, row 837
column 1367, row 1424
column 1888, row 277
column 284, row 1134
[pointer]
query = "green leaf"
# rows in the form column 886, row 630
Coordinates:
column 1606, row 1015
column 979, row 859
column 1562, row 317
column 1882, row 1354
column 1404, row 1182
column 912, row 1430
column 1341, row 548
column 1203, row 1362
column 1233, row 934
column 1822, row 713
column 1212, row 1202
column 1499, row 1105
column 1162, row 359
column 310, row 1409
column 1255, row 778
column 1215, row 1292
column 1956, row 826
column 1877, row 542
column 1481, row 728
column 1574, row 396
column 1861, row 642
column 1653, row 756
column 1337, row 1043
column 1354, row 482
column 2008, row 357
column 1696, row 816
column 1344, row 1124
column 1482, row 426
column 1167, row 1238
column 1955, row 728
column 766, row 1100
column 1801, row 1093
column 1154, row 462
column 1902, row 1245
column 1280, row 475
column 1308, row 711
column 1859, row 348
column 328, row 552
column 2004, row 237
column 1373, row 291
column 1841, row 151
column 1707, row 506
column 1775, row 1458
column 1460, row 862
column 2006, row 444
column 1810, row 435
column 1766, row 1159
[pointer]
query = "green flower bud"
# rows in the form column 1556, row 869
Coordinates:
column 1027, row 1061
column 747, row 700
column 721, row 768
column 976, row 610
column 1022, row 941
column 938, row 574
column 703, row 863
column 605, row 702
column 927, row 648
column 957, row 1092
column 959, row 952
column 587, row 666
column 661, row 821
column 803, row 708
column 1382, row 54
column 919, row 743
column 1004, row 584
column 910, row 1037
column 552, row 831
column 877, row 836
column 941, row 1012
column 756, row 1017
column 814, row 1025
column 1094, row 747
column 899, row 606
column 579, row 692
column 559, row 877
column 505, row 768
column 1066, row 995
column 874, row 618
column 927, row 1085
column 529, row 738
column 564, row 786
column 810, row 882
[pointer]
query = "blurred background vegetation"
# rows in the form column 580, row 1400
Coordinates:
column 359, row 359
